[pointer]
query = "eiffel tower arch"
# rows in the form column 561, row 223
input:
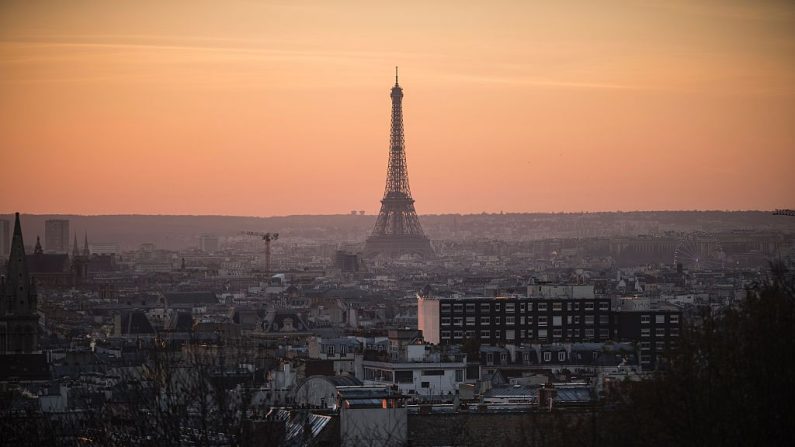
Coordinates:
column 397, row 230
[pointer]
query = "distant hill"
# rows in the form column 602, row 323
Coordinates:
column 178, row 232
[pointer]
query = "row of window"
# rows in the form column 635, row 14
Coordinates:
column 659, row 319
column 524, row 334
column 406, row 376
column 658, row 345
column 510, row 320
column 547, row 356
column 556, row 306
column 659, row 332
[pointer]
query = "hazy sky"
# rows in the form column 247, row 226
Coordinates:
column 269, row 108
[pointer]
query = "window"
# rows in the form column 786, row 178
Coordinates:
column 503, row 358
column 445, row 334
column 577, row 307
column 469, row 334
column 510, row 320
column 510, row 335
column 645, row 346
column 659, row 346
column 522, row 334
column 530, row 333
column 529, row 307
column 589, row 333
column 645, row 319
column 330, row 350
column 510, row 307
column 557, row 320
column 589, row 320
column 497, row 321
column 458, row 321
column 562, row 356
column 425, row 384
column 458, row 308
column 470, row 321
column 604, row 306
column 459, row 375
column 542, row 320
column 489, row 358
column 522, row 307
column 542, row 307
column 485, row 321
column 542, row 333
column 404, row 377
column 530, row 320
column 485, row 334
column 673, row 319
column 660, row 332
column 496, row 307
column 445, row 307
column 659, row 319
column 571, row 333
column 343, row 350
column 557, row 306
column 547, row 356
column 589, row 306
column 674, row 332
column 604, row 333
column 458, row 334
column 470, row 308
column 432, row 372
column 445, row 321
column 645, row 332
column 557, row 333
column 604, row 319
column 522, row 321
column 577, row 319
column 484, row 307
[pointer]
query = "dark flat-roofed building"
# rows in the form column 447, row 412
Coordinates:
column 514, row 320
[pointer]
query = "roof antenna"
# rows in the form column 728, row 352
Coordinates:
column 396, row 75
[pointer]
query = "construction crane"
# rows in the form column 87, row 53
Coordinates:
column 784, row 212
column 268, row 238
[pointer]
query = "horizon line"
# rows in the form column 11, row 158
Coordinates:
column 11, row 213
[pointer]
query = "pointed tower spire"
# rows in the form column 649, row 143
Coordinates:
column 38, row 250
column 396, row 75
column 75, row 249
column 86, row 251
column 17, row 277
column 18, row 306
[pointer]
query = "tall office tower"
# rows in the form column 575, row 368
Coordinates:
column 5, row 233
column 56, row 236
column 19, row 320
column 397, row 230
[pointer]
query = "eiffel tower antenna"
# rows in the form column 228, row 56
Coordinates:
column 397, row 230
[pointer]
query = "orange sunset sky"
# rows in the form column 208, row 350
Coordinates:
column 282, row 107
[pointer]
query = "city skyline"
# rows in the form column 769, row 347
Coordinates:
column 278, row 109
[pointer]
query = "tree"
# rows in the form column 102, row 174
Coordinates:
column 728, row 383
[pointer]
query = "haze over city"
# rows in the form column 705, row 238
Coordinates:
column 276, row 108
column 397, row 224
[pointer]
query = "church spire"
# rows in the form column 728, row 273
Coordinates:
column 86, row 251
column 18, row 283
column 75, row 249
column 38, row 250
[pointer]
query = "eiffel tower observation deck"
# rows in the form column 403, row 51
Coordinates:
column 397, row 230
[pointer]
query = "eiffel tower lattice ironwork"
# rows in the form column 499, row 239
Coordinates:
column 397, row 230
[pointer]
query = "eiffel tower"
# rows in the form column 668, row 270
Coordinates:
column 397, row 230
